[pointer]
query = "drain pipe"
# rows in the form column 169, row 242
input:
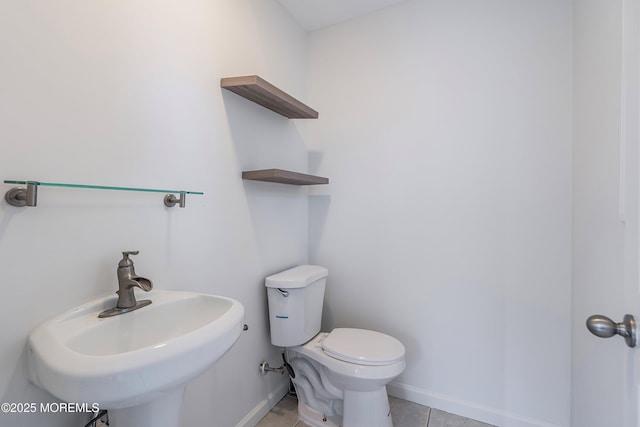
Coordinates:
column 95, row 419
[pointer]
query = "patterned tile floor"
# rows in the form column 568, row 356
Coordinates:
column 403, row 412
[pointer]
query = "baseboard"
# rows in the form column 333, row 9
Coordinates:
column 263, row 408
column 466, row 409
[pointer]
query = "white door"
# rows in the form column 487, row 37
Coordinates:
column 605, row 372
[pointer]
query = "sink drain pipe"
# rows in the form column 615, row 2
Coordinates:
column 98, row 417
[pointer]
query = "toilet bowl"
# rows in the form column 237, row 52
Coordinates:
column 353, row 380
column 340, row 376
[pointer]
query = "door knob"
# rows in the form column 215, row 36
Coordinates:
column 603, row 327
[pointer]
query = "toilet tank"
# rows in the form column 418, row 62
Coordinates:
column 295, row 299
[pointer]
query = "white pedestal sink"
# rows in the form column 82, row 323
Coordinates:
column 134, row 365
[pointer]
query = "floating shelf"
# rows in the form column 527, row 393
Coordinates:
column 284, row 177
column 264, row 93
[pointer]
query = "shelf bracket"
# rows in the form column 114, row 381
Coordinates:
column 20, row 196
column 170, row 200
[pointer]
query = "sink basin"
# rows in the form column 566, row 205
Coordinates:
column 136, row 359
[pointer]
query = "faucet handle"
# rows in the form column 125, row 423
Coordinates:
column 125, row 261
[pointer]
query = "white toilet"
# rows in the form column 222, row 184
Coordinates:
column 340, row 376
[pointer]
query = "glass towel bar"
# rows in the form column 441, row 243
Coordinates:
column 20, row 196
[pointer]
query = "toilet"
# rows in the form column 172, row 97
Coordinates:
column 340, row 376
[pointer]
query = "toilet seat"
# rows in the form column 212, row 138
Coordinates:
column 348, row 375
column 363, row 347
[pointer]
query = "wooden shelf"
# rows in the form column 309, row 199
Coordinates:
column 264, row 93
column 284, row 177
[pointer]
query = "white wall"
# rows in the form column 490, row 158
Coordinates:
column 445, row 128
column 127, row 94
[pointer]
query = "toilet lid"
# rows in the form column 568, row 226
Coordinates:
column 363, row 347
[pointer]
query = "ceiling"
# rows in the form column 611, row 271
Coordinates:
column 314, row 14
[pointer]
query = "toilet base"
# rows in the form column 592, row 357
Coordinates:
column 316, row 419
column 367, row 409
column 361, row 409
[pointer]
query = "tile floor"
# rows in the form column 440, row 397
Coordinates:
column 403, row 412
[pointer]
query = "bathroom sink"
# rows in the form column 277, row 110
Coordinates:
column 134, row 358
